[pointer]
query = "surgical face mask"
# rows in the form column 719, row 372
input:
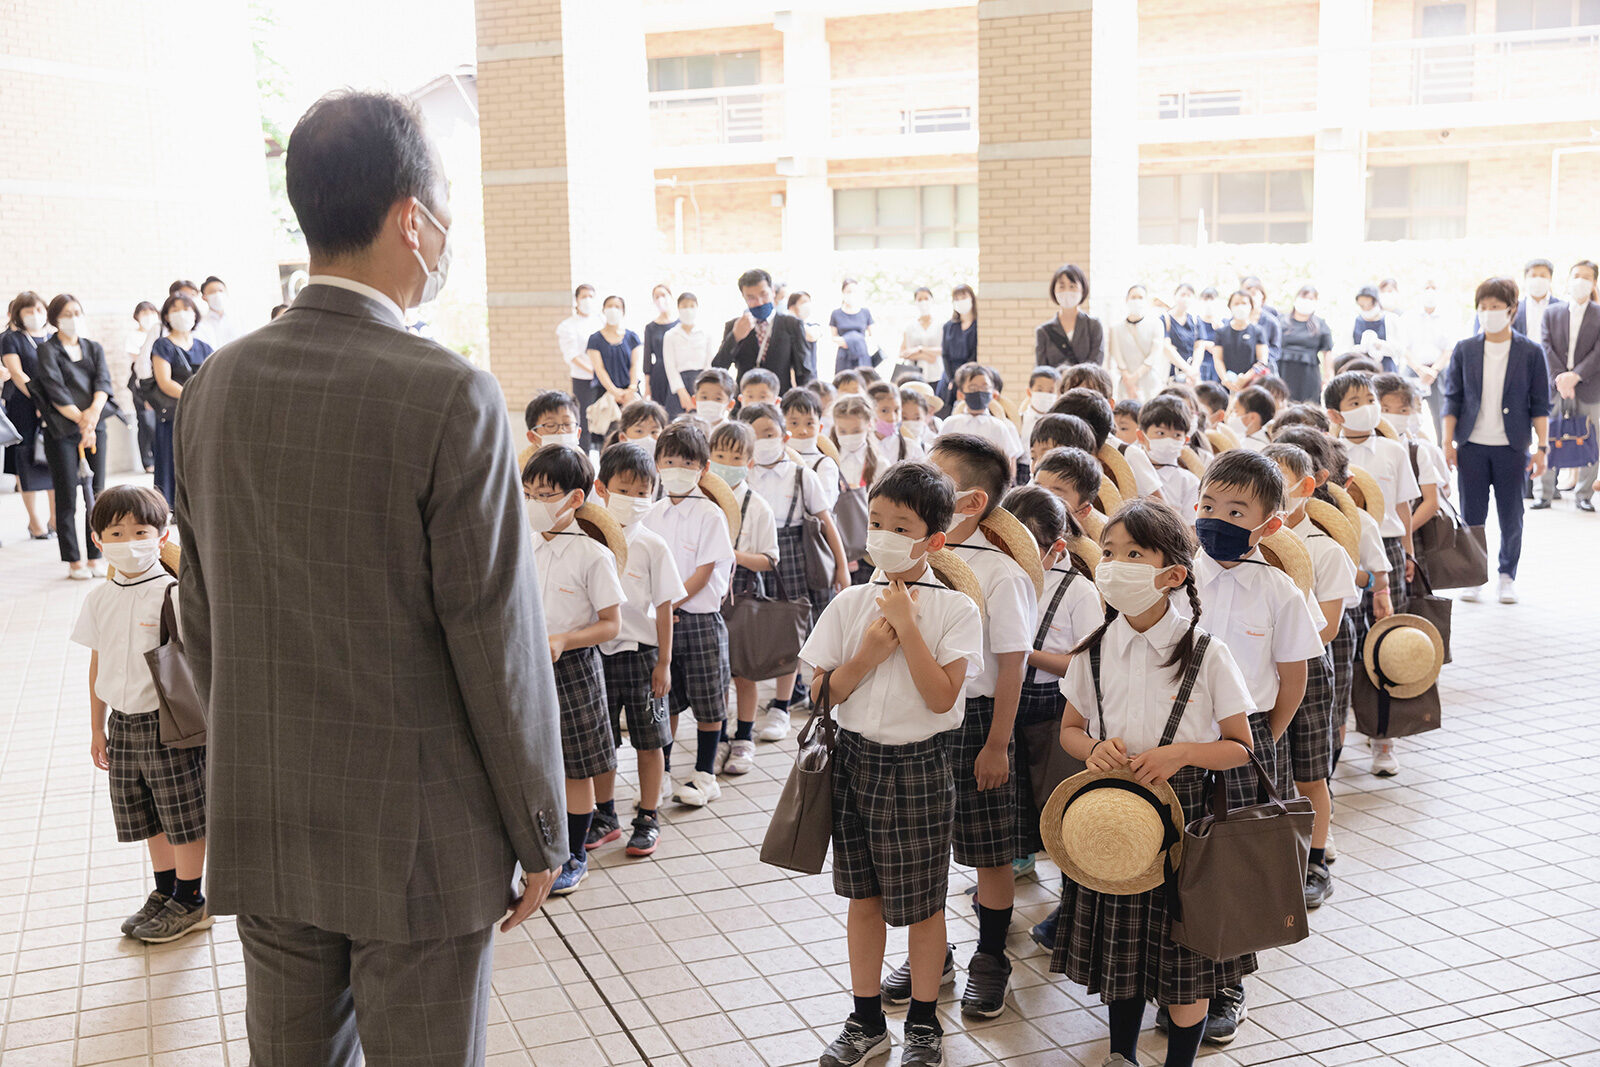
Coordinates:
column 850, row 442
column 891, row 552
column 628, row 510
column 69, row 325
column 679, row 481
column 1069, row 298
column 806, row 444
column 1304, row 305
column 1235, row 422
column 1180, row 303
column 848, row 298
column 1165, row 451
column 586, row 306
column 978, row 401
column 769, row 450
column 33, row 320
column 961, row 305
column 687, row 315
column 961, row 498
column 1538, row 287
column 1496, row 321
column 1041, row 402
column 802, row 312
column 710, row 410
column 1209, row 309
column 732, row 473
column 1413, row 424
column 911, row 428
column 762, row 312
column 1430, row 299
column 1127, row 586
column 131, row 558
column 1240, row 312
column 565, row 440
column 613, row 316
column 1580, row 289
column 1222, row 540
column 1388, row 300
column 441, row 270
column 544, row 514
column 663, row 303
column 1373, row 313
column 924, row 308
column 1136, row 309
column 885, row 427
column 1363, row 419
column 218, row 301
column 181, row 321
column 146, row 322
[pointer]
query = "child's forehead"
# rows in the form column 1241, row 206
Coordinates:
column 765, row 423
column 1219, row 493
column 629, row 480
column 711, row 387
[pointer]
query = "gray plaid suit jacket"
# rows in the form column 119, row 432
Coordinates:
column 361, row 612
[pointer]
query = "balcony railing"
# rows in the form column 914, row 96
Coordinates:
column 725, row 115
column 904, row 105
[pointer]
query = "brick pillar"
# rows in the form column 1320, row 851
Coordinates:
column 1044, row 199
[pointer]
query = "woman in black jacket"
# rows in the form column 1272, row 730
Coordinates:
column 76, row 386
column 1071, row 335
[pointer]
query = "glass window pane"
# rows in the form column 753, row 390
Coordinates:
column 1242, row 193
column 897, row 240
column 1389, row 188
column 938, row 239
column 740, row 68
column 854, row 209
column 938, row 206
column 850, row 242
column 1588, row 12
column 1551, row 14
column 897, row 208
column 1289, row 233
column 1241, row 232
column 1157, row 202
column 1195, row 194
column 666, row 75
column 967, row 202
column 701, row 72
column 1386, row 229
column 1290, row 190
column 1437, row 227
column 966, row 239
column 1439, row 186
column 1156, row 234
column 1513, row 15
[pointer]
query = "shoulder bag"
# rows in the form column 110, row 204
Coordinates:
column 181, row 716
column 764, row 633
column 1039, row 752
column 1572, row 439
column 797, row 838
column 813, row 538
column 1456, row 555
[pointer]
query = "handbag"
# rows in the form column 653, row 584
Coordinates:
column 1255, row 854
column 603, row 414
column 764, row 633
column 850, row 519
column 801, row 829
column 1572, row 439
column 1456, row 555
column 180, row 716
column 1421, row 600
column 1378, row 714
column 167, row 406
column 9, row 434
column 1039, row 743
column 813, row 538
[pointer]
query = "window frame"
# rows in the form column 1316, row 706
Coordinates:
column 921, row 226
column 1410, row 213
column 1184, row 227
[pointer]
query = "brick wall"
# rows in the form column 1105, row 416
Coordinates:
column 911, row 42
column 724, row 208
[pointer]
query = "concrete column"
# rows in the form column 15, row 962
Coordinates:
column 808, row 200
column 1339, row 185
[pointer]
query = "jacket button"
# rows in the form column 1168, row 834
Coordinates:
column 544, row 828
column 1505, row 411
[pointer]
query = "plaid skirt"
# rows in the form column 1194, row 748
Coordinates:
column 893, row 809
column 700, row 673
column 628, row 691
column 1343, row 649
column 1039, row 703
column 154, row 789
column 791, row 564
column 985, row 832
column 1121, row 946
column 1309, row 738
column 1243, row 788
column 586, row 745
column 1395, row 551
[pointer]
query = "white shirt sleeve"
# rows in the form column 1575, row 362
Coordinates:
column 1145, row 478
column 1431, row 468
column 86, row 631
column 962, row 639
column 815, row 498
column 825, row 648
column 1083, row 608
column 672, row 349
column 1220, row 674
column 827, row 475
column 605, row 585
column 1405, row 478
column 666, row 586
column 759, row 534
column 1294, row 630
column 1335, row 575
column 1013, row 614
column 1077, row 685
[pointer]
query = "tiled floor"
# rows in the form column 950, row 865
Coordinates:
column 1465, row 926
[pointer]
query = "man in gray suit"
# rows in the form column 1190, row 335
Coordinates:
column 361, row 612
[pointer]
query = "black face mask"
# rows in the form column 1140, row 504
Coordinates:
column 978, row 401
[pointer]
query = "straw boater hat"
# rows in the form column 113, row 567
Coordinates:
column 1094, row 524
column 1117, row 468
column 1371, row 494
column 1007, row 534
column 169, row 559
column 1347, row 506
column 1006, row 410
column 1085, row 554
column 1109, row 498
column 923, row 389
column 1222, row 440
column 826, row 446
column 953, row 572
column 1285, row 551
column 597, row 522
column 1331, row 521
column 525, row 455
column 718, row 492
column 1406, row 662
column 1111, row 834
column 1192, row 462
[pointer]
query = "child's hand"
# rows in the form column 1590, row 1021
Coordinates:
column 899, row 605
column 1108, row 755
column 1159, row 763
column 1382, row 606
column 991, row 769
column 841, row 578
column 661, row 678
column 879, row 640
column 97, row 750
column 1411, row 569
column 558, row 645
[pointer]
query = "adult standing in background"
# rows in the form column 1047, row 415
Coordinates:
column 800, row 306
column 762, row 338
column 617, row 354
column 663, row 390
column 686, row 350
column 1572, row 362
column 1071, row 335
column 922, row 343
column 141, row 379
column 1304, row 362
column 1135, row 353
column 1264, row 315
column 27, row 327
column 573, row 334
column 74, row 390
column 219, row 322
column 850, row 327
column 1538, row 275
column 1433, row 335
column 1186, row 331
column 1374, row 329
column 361, row 613
column 959, row 343
column 174, row 357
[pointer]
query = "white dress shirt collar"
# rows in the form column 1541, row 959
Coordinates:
column 354, row 286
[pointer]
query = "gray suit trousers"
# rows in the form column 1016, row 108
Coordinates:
column 317, row 997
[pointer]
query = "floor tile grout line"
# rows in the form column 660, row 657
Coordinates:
column 634, row 1041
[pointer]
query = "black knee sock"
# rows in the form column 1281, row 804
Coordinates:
column 705, row 756
column 1319, row 856
column 607, row 808
column 992, row 926
column 869, row 1013
column 577, row 830
column 922, row 1011
column 1183, row 1042
column 1127, row 1019
column 744, row 731
column 165, row 880
column 186, row 891
column 666, row 758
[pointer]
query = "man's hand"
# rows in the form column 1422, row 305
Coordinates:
column 1108, row 755
column 661, row 678
column 1567, row 384
column 535, row 890
column 991, row 768
column 743, row 325
column 1537, row 463
column 899, row 605
column 97, row 750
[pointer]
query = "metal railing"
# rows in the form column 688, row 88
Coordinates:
column 904, row 105
column 734, row 114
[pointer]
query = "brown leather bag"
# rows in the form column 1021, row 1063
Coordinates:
column 797, row 838
column 180, row 716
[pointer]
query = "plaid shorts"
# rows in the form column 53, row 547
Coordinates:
column 154, row 789
column 628, row 690
column 1343, row 648
column 700, row 674
column 893, row 808
column 986, row 822
column 1309, row 738
column 791, row 564
column 1243, row 788
column 586, row 745
column 1395, row 550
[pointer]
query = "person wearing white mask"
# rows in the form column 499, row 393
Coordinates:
column 1135, row 348
column 27, row 328
column 572, row 335
column 1071, row 335
column 661, row 386
column 1186, row 332
column 850, row 327
column 219, row 323
column 1375, row 330
column 141, row 378
column 1538, row 278
column 74, row 386
column 1432, row 334
column 920, row 345
column 811, row 330
column 686, row 349
column 174, row 357
column 1307, row 348
column 617, row 354
column 1572, row 362
column 959, row 344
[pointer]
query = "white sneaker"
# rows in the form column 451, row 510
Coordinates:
column 1384, row 765
column 700, row 790
column 1508, row 590
column 741, row 758
column 79, row 573
column 772, row 725
column 1473, row 594
column 724, row 749
column 668, row 790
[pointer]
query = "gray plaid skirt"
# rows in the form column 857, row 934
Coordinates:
column 586, row 745
column 154, row 789
column 1343, row 648
column 1309, row 738
column 1039, row 703
column 986, row 822
column 700, row 672
column 628, row 692
column 1243, row 788
column 893, row 807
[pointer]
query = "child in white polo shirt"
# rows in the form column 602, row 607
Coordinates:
column 1163, row 434
column 975, row 391
column 1402, row 406
column 1353, row 407
column 803, row 421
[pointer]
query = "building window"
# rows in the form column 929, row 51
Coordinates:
column 1417, row 203
column 717, row 69
column 1512, row 15
column 1200, row 105
column 1231, row 207
column 918, row 216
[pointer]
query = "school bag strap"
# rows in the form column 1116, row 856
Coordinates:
column 1047, row 618
column 799, row 491
column 1191, row 675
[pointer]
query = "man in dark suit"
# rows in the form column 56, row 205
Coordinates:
column 361, row 612
column 1572, row 360
column 763, row 338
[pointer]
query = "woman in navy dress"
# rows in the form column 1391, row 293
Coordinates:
column 851, row 328
column 663, row 390
column 173, row 358
column 19, row 349
column 959, row 344
column 1186, row 330
column 617, row 354
column 74, row 395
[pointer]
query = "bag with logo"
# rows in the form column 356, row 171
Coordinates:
column 801, row 829
column 1572, row 439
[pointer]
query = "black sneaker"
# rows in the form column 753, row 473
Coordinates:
column 1044, row 931
column 854, row 1045
column 988, row 979
column 896, row 988
column 154, row 903
column 924, row 1046
column 646, row 832
column 1223, row 1017
column 603, row 829
column 1319, row 885
column 173, row 921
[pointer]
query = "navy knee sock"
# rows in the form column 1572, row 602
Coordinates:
column 606, row 807
column 992, row 926
column 1127, row 1019
column 705, row 756
column 577, row 830
column 166, row 880
column 1183, row 1043
column 744, row 731
column 186, row 891
column 869, row 1011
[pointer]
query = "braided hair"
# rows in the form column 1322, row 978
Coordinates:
column 1156, row 527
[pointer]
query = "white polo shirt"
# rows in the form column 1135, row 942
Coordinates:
column 696, row 531
column 121, row 620
column 886, row 707
column 758, row 532
column 649, row 578
column 1431, row 468
column 1390, row 463
column 820, row 464
column 577, row 579
column 1260, row 614
column 1145, row 478
column 1333, row 573
column 1011, row 609
column 999, row 432
column 1137, row 692
column 776, row 486
column 1078, row 615
column 898, row 448
column 853, row 464
column 1179, row 488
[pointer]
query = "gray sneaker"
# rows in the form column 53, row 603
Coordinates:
column 152, row 905
column 924, row 1046
column 173, row 921
column 854, row 1045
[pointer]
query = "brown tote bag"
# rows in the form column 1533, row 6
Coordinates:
column 180, row 715
column 802, row 823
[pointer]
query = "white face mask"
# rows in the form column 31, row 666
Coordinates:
column 1363, row 419
column 544, row 514
column 769, row 450
column 1129, row 587
column 218, row 302
column 961, row 305
column 1304, row 305
column 1430, row 299
column 566, row 440
column 441, row 270
column 1413, row 424
column 850, row 442
column 1496, row 321
column 957, row 519
column 149, row 323
column 1538, row 287
column 1209, row 309
column 628, row 510
column 911, row 428
column 847, row 298
column 33, row 320
column 924, row 308
column 613, row 316
column 1388, row 300
column 710, row 410
column 1580, row 289
column 1235, row 422
column 1165, row 450
column 891, row 552
column 586, row 306
column 802, row 312
column 687, row 315
column 679, row 481
column 1069, row 298
column 1240, row 312
column 181, row 321
column 1373, row 314
column 69, row 325
column 1136, row 309
column 131, row 558
column 1041, row 402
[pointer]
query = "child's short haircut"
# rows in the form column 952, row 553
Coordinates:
column 735, row 435
column 1258, row 402
column 1091, row 406
column 981, row 464
column 1128, row 408
column 869, row 375
column 560, row 468
column 923, row 488
column 683, row 440
column 1076, row 467
column 1183, row 391
column 801, row 401
column 1293, row 457
column 1166, row 413
column 1212, row 396
column 1043, row 513
column 1299, row 415
column 968, row 371
column 751, row 413
column 1062, row 431
column 1391, row 384
column 1334, row 392
column 1050, row 373
column 627, row 458
column 546, row 402
column 821, row 388
column 1088, row 376
column 1240, row 468
column 1355, row 361
column 1278, row 388
column 642, row 411
column 849, row 376
column 144, row 505
column 906, row 374
column 1316, row 444
column 759, row 376
column 715, row 376
column 878, row 390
